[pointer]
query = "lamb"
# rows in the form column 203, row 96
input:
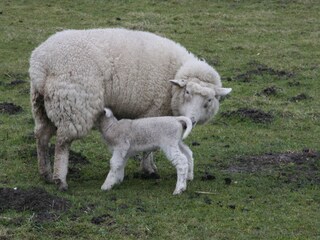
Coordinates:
column 127, row 137
column 75, row 74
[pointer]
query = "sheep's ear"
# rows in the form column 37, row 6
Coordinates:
column 108, row 112
column 223, row 91
column 179, row 82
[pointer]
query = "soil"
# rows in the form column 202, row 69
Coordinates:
column 299, row 97
column 270, row 91
column 290, row 166
column 46, row 207
column 207, row 177
column 16, row 82
column 9, row 108
column 105, row 219
column 256, row 115
column 144, row 175
column 261, row 70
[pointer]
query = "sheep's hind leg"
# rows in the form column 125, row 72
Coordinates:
column 180, row 161
column 61, row 160
column 43, row 138
column 116, row 173
column 43, row 131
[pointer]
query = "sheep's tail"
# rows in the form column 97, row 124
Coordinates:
column 187, row 124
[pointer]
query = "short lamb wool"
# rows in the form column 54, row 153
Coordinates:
column 127, row 137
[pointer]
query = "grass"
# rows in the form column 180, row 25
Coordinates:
column 234, row 36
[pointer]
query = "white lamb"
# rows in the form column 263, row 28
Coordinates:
column 127, row 137
column 75, row 74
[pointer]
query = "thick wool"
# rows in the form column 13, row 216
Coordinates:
column 76, row 73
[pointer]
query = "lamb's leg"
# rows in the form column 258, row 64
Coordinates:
column 61, row 160
column 44, row 129
column 116, row 173
column 147, row 164
column 188, row 153
column 180, row 161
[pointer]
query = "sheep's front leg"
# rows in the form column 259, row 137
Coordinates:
column 147, row 163
column 116, row 173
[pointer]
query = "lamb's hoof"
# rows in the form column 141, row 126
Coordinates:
column 106, row 188
column 61, row 186
column 178, row 191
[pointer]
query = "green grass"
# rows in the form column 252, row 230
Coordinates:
column 235, row 37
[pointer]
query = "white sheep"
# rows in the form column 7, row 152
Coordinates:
column 127, row 137
column 76, row 73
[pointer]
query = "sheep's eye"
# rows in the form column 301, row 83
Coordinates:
column 209, row 100
column 187, row 92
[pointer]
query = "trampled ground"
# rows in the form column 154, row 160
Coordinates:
column 257, row 164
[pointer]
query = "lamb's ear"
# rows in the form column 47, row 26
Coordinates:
column 179, row 82
column 108, row 112
column 223, row 91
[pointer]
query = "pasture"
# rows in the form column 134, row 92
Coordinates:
column 257, row 163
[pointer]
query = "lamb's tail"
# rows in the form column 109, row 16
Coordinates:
column 187, row 125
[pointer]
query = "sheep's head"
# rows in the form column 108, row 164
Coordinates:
column 195, row 99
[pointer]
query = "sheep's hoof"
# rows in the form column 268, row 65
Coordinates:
column 61, row 186
column 47, row 177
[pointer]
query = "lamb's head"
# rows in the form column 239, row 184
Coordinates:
column 197, row 90
column 108, row 113
column 109, row 118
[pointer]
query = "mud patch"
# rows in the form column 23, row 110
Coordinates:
column 14, row 78
column 145, row 175
column 16, row 82
column 105, row 219
column 289, row 166
column 46, row 207
column 270, row 91
column 9, row 108
column 255, row 115
column 299, row 97
column 261, row 70
column 207, row 177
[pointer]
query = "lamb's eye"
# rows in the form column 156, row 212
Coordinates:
column 187, row 92
column 209, row 100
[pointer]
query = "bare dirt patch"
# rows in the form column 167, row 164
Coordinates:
column 255, row 115
column 9, row 108
column 105, row 219
column 290, row 166
column 270, row 91
column 14, row 78
column 45, row 206
column 259, row 69
column 299, row 97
